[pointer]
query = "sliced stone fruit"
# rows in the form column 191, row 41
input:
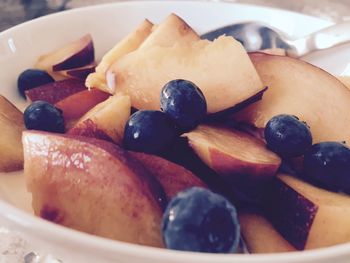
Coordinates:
column 173, row 177
column 106, row 120
column 92, row 186
column 303, row 90
column 75, row 54
column 12, row 125
column 260, row 236
column 221, row 69
column 129, row 43
column 239, row 158
column 308, row 217
column 55, row 91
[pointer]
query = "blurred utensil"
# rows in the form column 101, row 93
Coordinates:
column 257, row 36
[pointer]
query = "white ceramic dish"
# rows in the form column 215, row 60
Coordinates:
column 20, row 47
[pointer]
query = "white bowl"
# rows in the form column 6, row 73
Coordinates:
column 20, row 47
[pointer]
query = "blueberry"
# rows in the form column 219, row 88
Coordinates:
column 287, row 136
column 184, row 102
column 197, row 219
column 41, row 115
column 32, row 78
column 149, row 131
column 328, row 165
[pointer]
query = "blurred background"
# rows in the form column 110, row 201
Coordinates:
column 13, row 12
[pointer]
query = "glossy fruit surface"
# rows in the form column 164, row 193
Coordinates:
column 200, row 220
column 43, row 116
column 287, row 136
column 328, row 164
column 149, row 131
column 184, row 102
column 32, row 78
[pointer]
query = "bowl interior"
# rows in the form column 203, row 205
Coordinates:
column 23, row 44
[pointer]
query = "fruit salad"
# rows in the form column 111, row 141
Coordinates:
column 182, row 143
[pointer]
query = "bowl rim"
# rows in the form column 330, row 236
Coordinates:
column 22, row 221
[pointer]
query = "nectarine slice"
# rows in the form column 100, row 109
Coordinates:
column 260, row 236
column 306, row 216
column 173, row 177
column 92, row 186
column 221, row 69
column 55, row 91
column 76, row 105
column 303, row 90
column 75, row 54
column 239, row 158
column 130, row 43
column 12, row 125
column 106, row 120
column 169, row 32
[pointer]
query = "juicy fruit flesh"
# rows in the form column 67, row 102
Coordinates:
column 56, row 91
column 170, row 31
column 260, row 236
column 223, row 139
column 106, row 120
column 303, row 90
column 86, row 100
column 294, row 226
column 221, row 69
column 313, row 217
column 244, row 162
column 92, row 186
column 12, row 125
column 55, row 58
column 174, row 178
column 130, row 43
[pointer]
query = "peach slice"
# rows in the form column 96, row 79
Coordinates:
column 221, row 69
column 180, row 153
column 274, row 51
column 106, row 120
column 75, row 54
column 306, row 216
column 56, row 91
column 345, row 80
column 130, row 43
column 239, row 158
column 76, row 105
column 174, row 178
column 79, row 73
column 260, row 236
column 12, row 125
column 169, row 32
column 92, row 186
column 303, row 90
